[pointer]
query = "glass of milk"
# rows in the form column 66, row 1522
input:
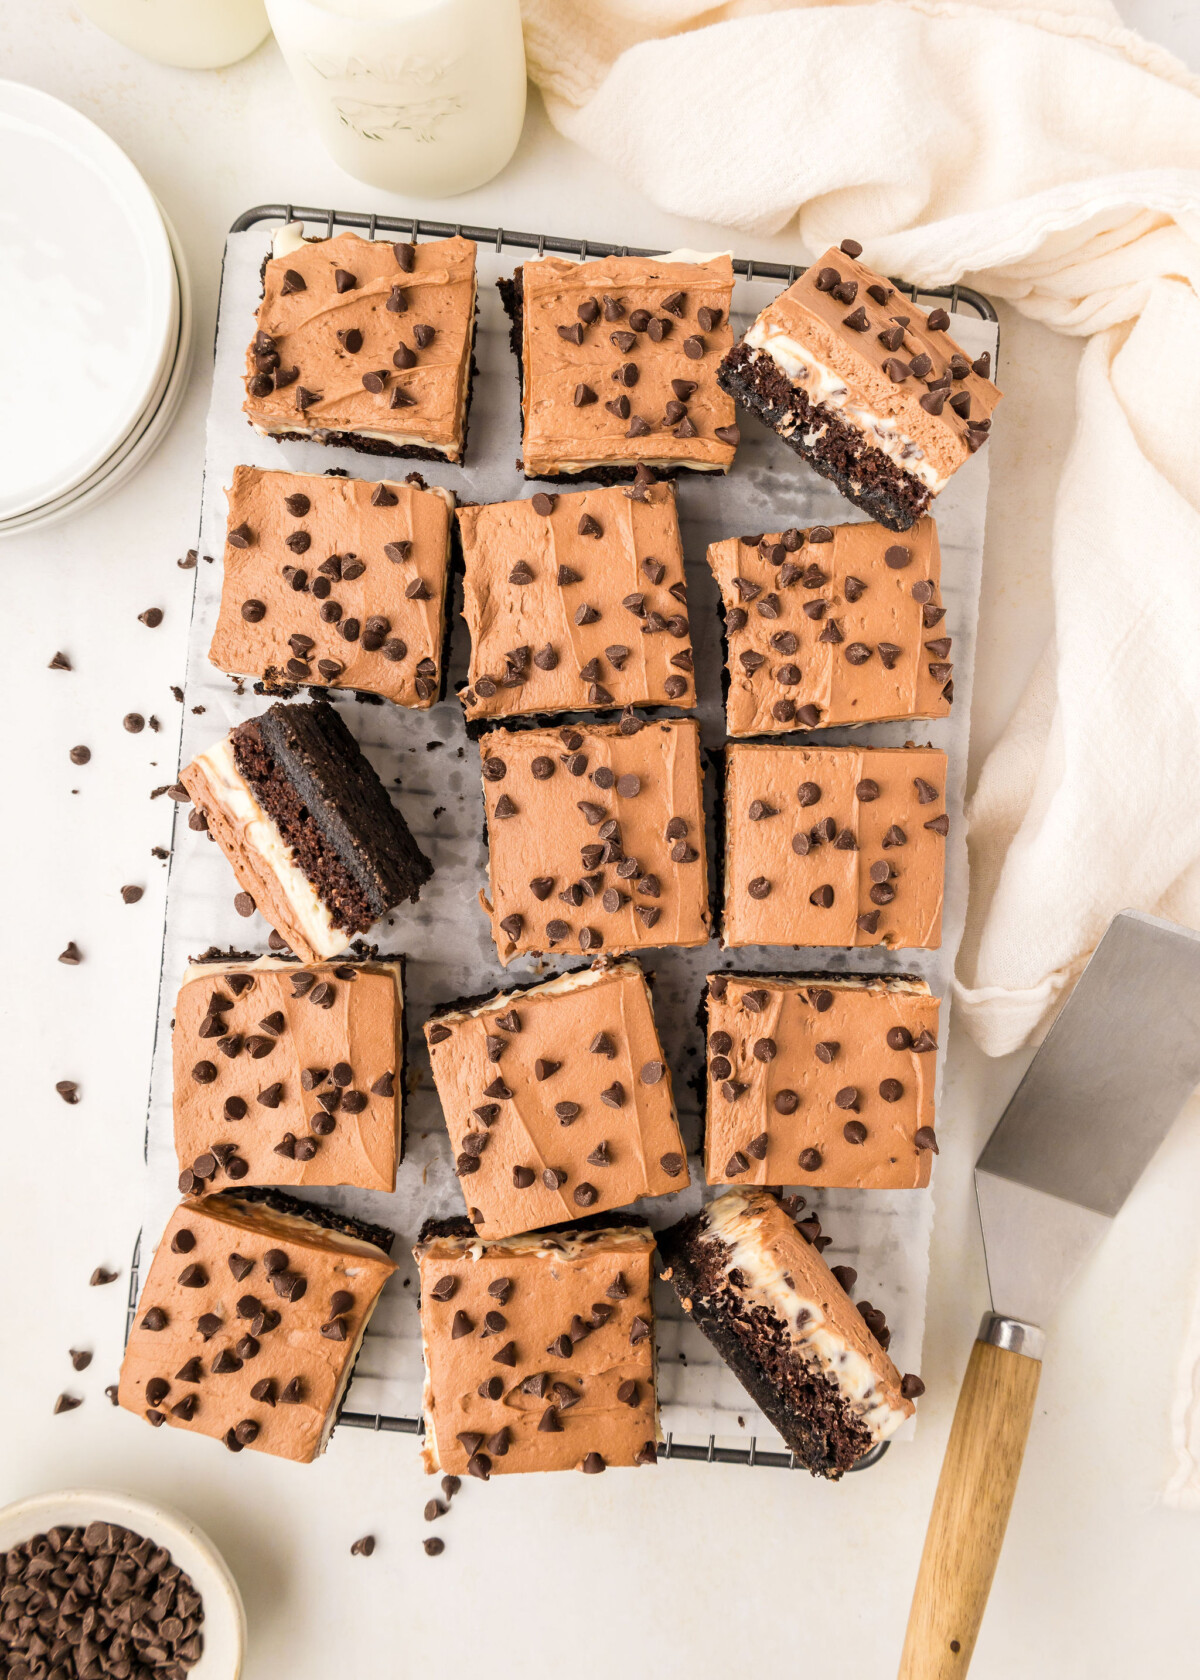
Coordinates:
column 423, row 97
column 193, row 34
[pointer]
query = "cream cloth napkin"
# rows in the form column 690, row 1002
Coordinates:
column 1053, row 157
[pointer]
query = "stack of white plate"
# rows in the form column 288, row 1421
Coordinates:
column 95, row 311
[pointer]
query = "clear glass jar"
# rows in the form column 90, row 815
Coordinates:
column 193, row 34
column 422, row 97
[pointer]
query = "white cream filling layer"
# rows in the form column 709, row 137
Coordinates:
column 577, row 980
column 642, row 460
column 261, row 834
column 321, row 434
column 821, row 384
column 539, row 1243
column 731, row 1221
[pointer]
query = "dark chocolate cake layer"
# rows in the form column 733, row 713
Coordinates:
column 864, row 475
column 311, row 778
column 804, row 1406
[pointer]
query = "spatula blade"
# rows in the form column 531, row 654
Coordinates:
column 1094, row 1105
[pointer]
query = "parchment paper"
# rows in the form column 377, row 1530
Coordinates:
column 425, row 758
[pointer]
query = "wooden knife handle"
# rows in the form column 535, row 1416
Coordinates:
column 974, row 1496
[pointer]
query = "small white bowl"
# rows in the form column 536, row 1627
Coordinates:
column 224, row 1625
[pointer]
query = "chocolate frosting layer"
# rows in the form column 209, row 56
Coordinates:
column 616, row 314
column 347, row 592
column 794, row 1063
column 814, row 311
column 213, row 1324
column 576, row 601
column 845, row 618
column 805, row 827
column 548, row 830
column 254, row 1037
column 568, row 1352
column 589, row 1119
column 347, row 285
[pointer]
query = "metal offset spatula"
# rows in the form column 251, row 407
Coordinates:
column 1094, row 1105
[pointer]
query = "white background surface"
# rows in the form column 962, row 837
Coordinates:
column 693, row 1571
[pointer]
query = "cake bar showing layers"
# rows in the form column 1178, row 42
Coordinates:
column 539, row 1350
column 834, row 845
column 595, row 837
column 820, row 1079
column 365, row 344
column 618, row 364
column 289, row 1074
column 755, row 1283
column 557, row 1099
column 576, row 602
column 335, row 582
column 867, row 387
column 839, row 624
column 307, row 826
column 250, row 1321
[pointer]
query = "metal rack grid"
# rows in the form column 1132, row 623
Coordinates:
column 693, row 1452
column 498, row 239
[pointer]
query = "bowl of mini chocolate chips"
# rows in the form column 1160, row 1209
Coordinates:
column 101, row 1586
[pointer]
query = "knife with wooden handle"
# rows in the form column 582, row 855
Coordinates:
column 1094, row 1105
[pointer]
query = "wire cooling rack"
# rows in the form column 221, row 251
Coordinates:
column 692, row 1452
column 500, row 239
column 318, row 220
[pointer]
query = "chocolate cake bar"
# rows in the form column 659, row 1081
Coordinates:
column 867, row 387
column 289, row 1074
column 618, row 365
column 557, row 1099
column 365, row 344
column 595, row 837
column 820, row 1079
column 816, row 1366
column 834, row 625
column 539, row 1350
column 250, row 1321
column 307, row 826
column 333, row 582
column 576, row 602
column 834, row 845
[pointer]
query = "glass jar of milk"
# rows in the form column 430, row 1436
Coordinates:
column 193, row 34
column 423, row 97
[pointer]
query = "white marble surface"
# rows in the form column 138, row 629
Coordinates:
column 691, row 1570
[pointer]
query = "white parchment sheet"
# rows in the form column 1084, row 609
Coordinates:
column 433, row 771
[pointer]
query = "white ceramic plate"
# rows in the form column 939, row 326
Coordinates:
column 88, row 294
column 192, row 1550
column 146, row 434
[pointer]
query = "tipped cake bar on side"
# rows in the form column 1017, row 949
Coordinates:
column 335, row 582
column 365, row 344
column 307, row 826
column 820, row 1079
column 250, row 1320
column 539, row 1350
column 867, row 387
column 557, row 1099
column 831, row 626
column 756, row 1285
column 289, row 1073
